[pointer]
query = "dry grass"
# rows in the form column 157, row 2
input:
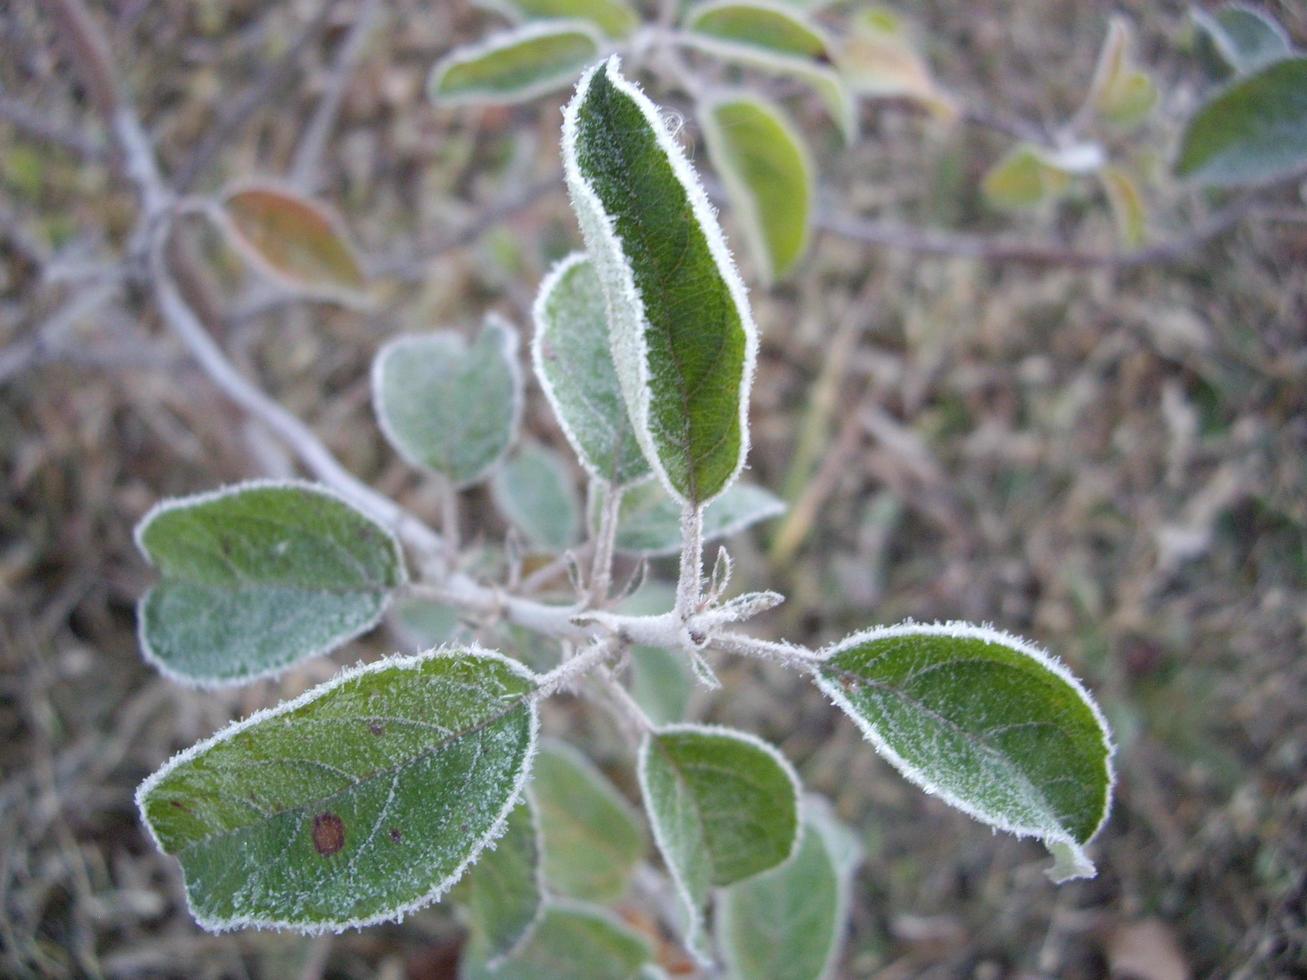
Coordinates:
column 1111, row 463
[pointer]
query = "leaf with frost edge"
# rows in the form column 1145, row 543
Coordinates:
column 517, row 15
column 617, row 277
column 1224, row 45
column 589, row 910
column 503, row 41
column 510, row 347
column 695, row 932
column 209, row 496
column 793, row 14
column 1070, row 860
column 507, row 498
column 285, row 707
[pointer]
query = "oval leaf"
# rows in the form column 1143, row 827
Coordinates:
column 1253, row 131
column 574, row 364
column 878, row 59
column 593, row 838
column 765, row 165
column 1236, row 40
column 1120, row 93
column 572, row 940
column 986, row 722
column 723, row 806
column 296, row 241
column 772, row 26
column 448, row 407
column 536, row 492
column 787, row 924
column 648, row 520
column 363, row 799
column 517, row 65
column 503, row 894
column 682, row 336
column 614, row 17
column 257, row 577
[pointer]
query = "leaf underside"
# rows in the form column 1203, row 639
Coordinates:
column 516, row 66
column 535, row 490
column 502, row 894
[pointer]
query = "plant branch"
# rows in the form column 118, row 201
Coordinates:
column 40, row 126
column 605, row 540
column 689, row 586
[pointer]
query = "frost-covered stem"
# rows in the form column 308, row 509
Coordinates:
column 605, row 539
column 689, row 587
column 628, row 705
column 787, row 654
column 587, row 660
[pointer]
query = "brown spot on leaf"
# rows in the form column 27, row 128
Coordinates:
column 328, row 834
column 848, row 683
column 376, row 728
column 181, row 806
column 395, row 835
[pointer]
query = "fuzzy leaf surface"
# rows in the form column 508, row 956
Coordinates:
column 502, row 893
column 259, row 576
column 1235, row 40
column 615, row 18
column 1252, row 131
column 447, row 406
column 593, row 837
column 768, row 173
column 517, row 65
column 681, row 333
column 571, row 940
column 574, row 364
column 535, row 490
column 297, row 241
column 364, row 798
column 723, row 806
column 648, row 520
column 986, row 722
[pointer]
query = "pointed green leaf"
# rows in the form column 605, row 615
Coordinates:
column 788, row 923
column 1254, row 130
column 723, row 806
column 257, row 577
column 615, row 18
column 535, row 490
column 661, row 680
column 503, row 893
column 682, row 336
column 986, row 722
column 296, row 241
column 1236, row 40
column 572, row 940
column 516, row 65
column 574, row 364
column 648, row 520
column 765, row 165
column 1127, row 206
column 357, row 802
column 593, row 838
column 771, row 26
column 449, row 407
column 1029, row 175
column 1120, row 93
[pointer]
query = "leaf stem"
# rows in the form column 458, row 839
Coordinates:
column 587, row 660
column 689, row 587
column 605, row 540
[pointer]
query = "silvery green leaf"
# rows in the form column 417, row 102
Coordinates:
column 1252, row 131
column 571, row 941
column 615, row 18
column 593, row 838
column 723, row 806
column 661, row 680
column 682, row 336
column 449, row 407
column 649, row 521
column 423, row 624
column 788, row 923
column 503, row 893
column 536, row 491
column 517, row 65
column 574, row 365
column 1235, row 40
column 257, row 577
column 764, row 162
column 357, row 802
column 985, row 721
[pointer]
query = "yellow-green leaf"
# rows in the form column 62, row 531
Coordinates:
column 1120, row 93
column 878, row 59
column 616, row 18
column 1127, row 206
column 517, row 65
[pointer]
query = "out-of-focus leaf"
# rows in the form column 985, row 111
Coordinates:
column 423, row 624
column 1120, row 93
column 616, row 18
column 1235, row 40
column 765, row 164
column 1030, row 175
column 661, row 680
column 772, row 26
column 571, row 941
column 503, row 894
column 879, row 60
column 517, row 65
column 649, row 521
column 535, row 490
column 1127, row 206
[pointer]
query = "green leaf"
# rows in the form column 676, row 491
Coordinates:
column 723, row 806
column 574, row 364
column 788, row 923
column 516, row 65
column 879, row 59
column 771, row 26
column 648, row 521
column 503, row 894
column 449, row 407
column 661, row 680
column 572, row 940
column 1237, row 40
column 593, row 838
column 1029, row 175
column 536, row 492
column 765, row 165
column 1120, row 93
column 294, row 240
column 257, row 577
column 1254, row 130
column 357, row 802
column 614, row 17
column 986, row 722
column 423, row 624
column 682, row 336
column 1127, row 206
